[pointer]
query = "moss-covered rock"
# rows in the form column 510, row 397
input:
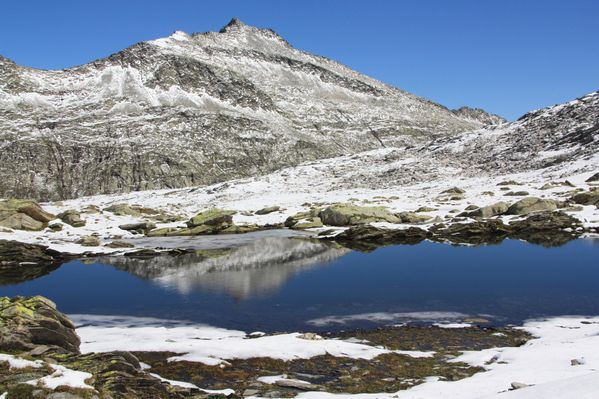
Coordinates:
column 498, row 208
column 587, row 198
column 413, row 218
column 212, row 217
column 351, row 215
column 89, row 241
column 72, row 217
column 21, row 221
column 28, row 322
column 267, row 210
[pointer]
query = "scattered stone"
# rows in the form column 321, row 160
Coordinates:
column 509, row 183
column 212, row 217
column 593, row 179
column 577, row 362
column 531, row 204
column 412, row 218
column 302, row 386
column 488, row 193
column 425, row 209
column 55, row 226
column 140, row 227
column 267, row 210
column 454, row 190
column 587, row 198
column 120, row 244
column 350, row 215
column 122, row 210
column 161, row 232
column 498, row 208
column 89, row 241
column 72, row 217
column 518, row 385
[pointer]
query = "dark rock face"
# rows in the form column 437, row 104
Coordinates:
column 192, row 110
column 13, row 253
column 26, row 323
column 367, row 237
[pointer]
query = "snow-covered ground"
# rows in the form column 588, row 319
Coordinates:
column 561, row 362
column 359, row 179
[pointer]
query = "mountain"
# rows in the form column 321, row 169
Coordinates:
column 195, row 109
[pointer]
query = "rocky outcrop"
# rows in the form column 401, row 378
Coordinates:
column 23, row 215
column 26, row 323
column 14, row 253
column 33, row 327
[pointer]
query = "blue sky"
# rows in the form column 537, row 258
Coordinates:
column 506, row 56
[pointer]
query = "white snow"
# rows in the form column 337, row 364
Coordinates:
column 208, row 344
column 60, row 376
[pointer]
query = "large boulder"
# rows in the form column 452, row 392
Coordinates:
column 593, row 179
column 72, row 217
column 89, row 241
column 21, row 221
column 139, row 227
column 212, row 217
column 484, row 212
column 587, row 198
column 413, row 217
column 531, row 204
column 304, row 220
column 13, row 253
column 123, row 210
column 28, row 322
column 267, row 210
column 23, row 215
column 351, row 215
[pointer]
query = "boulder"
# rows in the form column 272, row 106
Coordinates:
column 587, row 198
column 161, row 232
column 28, row 322
column 517, row 193
column 89, row 241
column 454, row 190
column 351, row 215
column 531, row 204
column 120, row 244
column 72, row 217
column 498, row 208
column 123, row 210
column 21, row 221
column 412, row 217
column 304, row 220
column 212, row 217
column 545, row 221
column 267, row 210
column 593, row 179
column 140, row 227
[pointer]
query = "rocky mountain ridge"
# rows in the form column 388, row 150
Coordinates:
column 194, row 109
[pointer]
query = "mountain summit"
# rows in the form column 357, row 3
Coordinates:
column 194, row 109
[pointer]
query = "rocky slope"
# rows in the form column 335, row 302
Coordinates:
column 197, row 109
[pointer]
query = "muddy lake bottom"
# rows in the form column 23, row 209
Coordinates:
column 282, row 284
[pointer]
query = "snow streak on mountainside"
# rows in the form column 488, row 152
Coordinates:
column 197, row 109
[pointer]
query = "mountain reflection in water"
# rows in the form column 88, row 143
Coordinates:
column 257, row 268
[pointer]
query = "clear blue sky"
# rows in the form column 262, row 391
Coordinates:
column 507, row 56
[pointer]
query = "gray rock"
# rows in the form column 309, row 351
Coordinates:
column 498, row 208
column 349, row 214
column 531, row 204
column 89, row 241
column 518, row 385
column 267, row 210
column 72, row 217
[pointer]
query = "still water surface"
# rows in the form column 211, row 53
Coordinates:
column 284, row 284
